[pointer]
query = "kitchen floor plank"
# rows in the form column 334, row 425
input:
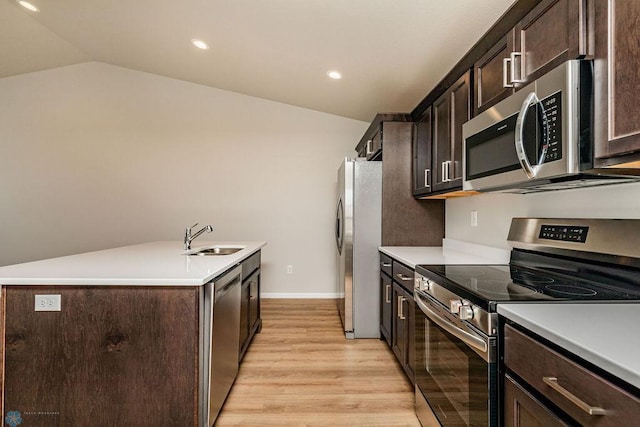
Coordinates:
column 301, row 371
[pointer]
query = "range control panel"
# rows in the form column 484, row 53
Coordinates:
column 564, row 233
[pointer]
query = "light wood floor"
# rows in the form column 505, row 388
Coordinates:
column 301, row 371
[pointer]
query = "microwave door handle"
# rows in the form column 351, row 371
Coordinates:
column 530, row 100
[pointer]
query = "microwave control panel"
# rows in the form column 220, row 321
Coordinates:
column 552, row 106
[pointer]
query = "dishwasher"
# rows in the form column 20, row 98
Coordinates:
column 221, row 311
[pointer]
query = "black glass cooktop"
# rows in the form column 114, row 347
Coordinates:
column 488, row 284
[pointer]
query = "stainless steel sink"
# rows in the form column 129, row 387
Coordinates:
column 217, row 250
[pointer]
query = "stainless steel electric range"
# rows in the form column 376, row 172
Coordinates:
column 552, row 260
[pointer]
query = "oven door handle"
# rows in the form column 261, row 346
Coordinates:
column 466, row 337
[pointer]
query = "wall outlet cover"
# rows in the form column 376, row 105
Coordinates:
column 48, row 303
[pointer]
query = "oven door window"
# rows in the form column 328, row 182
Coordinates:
column 456, row 382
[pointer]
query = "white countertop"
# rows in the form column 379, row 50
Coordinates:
column 600, row 333
column 450, row 253
column 148, row 264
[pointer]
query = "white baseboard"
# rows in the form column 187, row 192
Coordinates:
column 292, row 295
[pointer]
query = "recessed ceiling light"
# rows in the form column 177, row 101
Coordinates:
column 28, row 5
column 200, row 44
column 335, row 75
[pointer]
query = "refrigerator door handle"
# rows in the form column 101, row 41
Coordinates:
column 339, row 225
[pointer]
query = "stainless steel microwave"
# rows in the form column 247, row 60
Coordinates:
column 538, row 139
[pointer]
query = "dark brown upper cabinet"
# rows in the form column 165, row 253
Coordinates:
column 450, row 111
column 422, row 168
column 406, row 221
column 372, row 147
column 553, row 32
column 617, row 81
column 493, row 83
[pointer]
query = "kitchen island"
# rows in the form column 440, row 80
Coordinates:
column 120, row 336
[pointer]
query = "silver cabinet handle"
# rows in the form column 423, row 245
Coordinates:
column 513, row 68
column 426, row 178
column 403, row 277
column 401, row 301
column 384, row 264
column 506, row 63
column 591, row 410
column 446, row 176
column 369, row 151
column 387, row 294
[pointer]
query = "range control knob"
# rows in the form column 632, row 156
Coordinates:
column 455, row 305
column 423, row 284
column 466, row 312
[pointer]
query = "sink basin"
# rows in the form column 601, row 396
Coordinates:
column 217, row 250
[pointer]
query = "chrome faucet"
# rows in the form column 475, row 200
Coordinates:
column 188, row 237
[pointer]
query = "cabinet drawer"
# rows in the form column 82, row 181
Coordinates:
column 250, row 265
column 403, row 276
column 571, row 384
column 523, row 409
column 385, row 264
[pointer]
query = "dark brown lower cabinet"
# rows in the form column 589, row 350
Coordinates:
column 522, row 409
column 110, row 356
column 397, row 312
column 386, row 310
column 582, row 396
column 250, row 322
column 403, row 329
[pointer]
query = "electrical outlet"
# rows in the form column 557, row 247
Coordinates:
column 289, row 269
column 48, row 303
column 474, row 218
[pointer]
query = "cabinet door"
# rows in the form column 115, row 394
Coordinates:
column 110, row 356
column 403, row 332
column 521, row 409
column 441, row 140
column 411, row 338
column 493, row 75
column 386, row 309
column 373, row 147
column 254, row 302
column 244, row 316
column 552, row 33
column 249, row 311
column 450, row 112
column 460, row 110
column 422, row 172
column 617, row 80
column 399, row 330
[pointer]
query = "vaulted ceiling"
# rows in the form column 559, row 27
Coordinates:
column 390, row 52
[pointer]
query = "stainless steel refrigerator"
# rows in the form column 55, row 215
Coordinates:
column 358, row 233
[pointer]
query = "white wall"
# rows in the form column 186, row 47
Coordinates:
column 96, row 156
column 496, row 210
